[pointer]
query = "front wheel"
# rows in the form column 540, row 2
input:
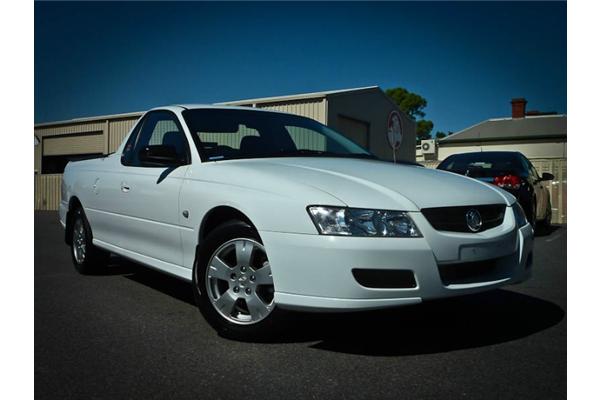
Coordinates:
column 233, row 284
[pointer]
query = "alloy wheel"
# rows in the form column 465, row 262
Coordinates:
column 79, row 241
column 239, row 283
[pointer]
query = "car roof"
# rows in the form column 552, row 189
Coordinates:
column 484, row 153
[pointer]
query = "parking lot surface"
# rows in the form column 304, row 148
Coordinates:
column 135, row 333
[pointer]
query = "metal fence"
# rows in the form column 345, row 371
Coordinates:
column 557, row 187
column 46, row 191
column 47, row 187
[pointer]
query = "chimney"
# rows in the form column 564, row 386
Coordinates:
column 518, row 107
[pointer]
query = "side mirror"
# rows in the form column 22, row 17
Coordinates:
column 162, row 155
column 547, row 177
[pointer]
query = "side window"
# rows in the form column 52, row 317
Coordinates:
column 128, row 149
column 157, row 128
column 534, row 172
column 530, row 168
column 524, row 165
column 448, row 163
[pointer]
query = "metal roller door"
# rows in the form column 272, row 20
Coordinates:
column 354, row 129
column 88, row 143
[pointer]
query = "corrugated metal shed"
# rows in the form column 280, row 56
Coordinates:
column 101, row 134
column 118, row 129
column 311, row 105
column 301, row 96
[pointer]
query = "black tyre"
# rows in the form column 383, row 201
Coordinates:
column 87, row 258
column 533, row 215
column 546, row 223
column 233, row 285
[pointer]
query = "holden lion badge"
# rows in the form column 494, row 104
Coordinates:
column 474, row 221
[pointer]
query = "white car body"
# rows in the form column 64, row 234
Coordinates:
column 138, row 213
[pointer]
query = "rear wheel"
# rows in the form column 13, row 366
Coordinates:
column 547, row 221
column 87, row 258
column 233, row 284
column 533, row 215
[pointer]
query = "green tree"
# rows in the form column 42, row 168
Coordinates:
column 440, row 134
column 412, row 105
column 424, row 127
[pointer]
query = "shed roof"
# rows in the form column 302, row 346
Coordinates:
column 90, row 119
column 528, row 128
column 301, row 96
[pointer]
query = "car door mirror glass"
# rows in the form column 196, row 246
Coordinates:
column 547, row 177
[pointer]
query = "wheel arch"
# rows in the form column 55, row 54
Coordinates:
column 220, row 215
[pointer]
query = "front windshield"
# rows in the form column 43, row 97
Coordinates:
column 225, row 134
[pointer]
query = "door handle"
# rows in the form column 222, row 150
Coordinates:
column 124, row 187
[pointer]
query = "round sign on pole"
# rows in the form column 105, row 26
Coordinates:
column 394, row 130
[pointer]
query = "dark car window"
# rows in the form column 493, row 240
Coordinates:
column 533, row 171
column 157, row 127
column 128, row 149
column 222, row 134
column 525, row 163
column 483, row 164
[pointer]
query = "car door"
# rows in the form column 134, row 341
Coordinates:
column 142, row 198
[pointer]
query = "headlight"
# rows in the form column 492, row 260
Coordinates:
column 519, row 215
column 362, row 222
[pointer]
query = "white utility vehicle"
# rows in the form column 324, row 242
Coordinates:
column 265, row 212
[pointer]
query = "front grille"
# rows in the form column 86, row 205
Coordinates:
column 454, row 219
column 471, row 272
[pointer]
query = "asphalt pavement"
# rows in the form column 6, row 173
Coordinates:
column 135, row 333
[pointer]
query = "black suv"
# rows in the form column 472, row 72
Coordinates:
column 511, row 171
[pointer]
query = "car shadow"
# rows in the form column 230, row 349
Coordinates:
column 432, row 327
column 439, row 326
column 116, row 266
column 546, row 231
column 169, row 285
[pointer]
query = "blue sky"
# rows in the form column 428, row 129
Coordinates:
column 467, row 59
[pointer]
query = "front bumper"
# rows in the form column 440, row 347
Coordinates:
column 314, row 272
